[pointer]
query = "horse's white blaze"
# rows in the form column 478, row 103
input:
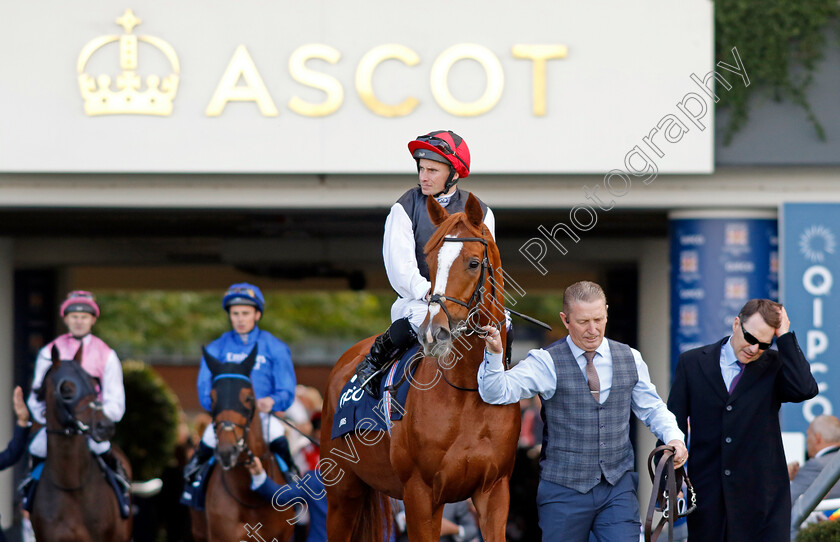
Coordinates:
column 446, row 257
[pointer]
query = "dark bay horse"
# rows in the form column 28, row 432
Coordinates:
column 450, row 445
column 232, row 511
column 74, row 502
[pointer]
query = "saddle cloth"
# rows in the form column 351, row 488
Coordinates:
column 30, row 485
column 354, row 405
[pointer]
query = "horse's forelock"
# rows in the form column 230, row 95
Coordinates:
column 450, row 224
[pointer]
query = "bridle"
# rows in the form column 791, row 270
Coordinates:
column 70, row 423
column 664, row 499
column 466, row 326
column 240, row 445
column 472, row 305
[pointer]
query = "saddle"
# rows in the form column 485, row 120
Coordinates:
column 29, row 486
column 667, row 483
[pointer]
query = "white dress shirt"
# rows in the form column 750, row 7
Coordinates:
column 536, row 375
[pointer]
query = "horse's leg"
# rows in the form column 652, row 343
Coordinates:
column 492, row 507
column 422, row 517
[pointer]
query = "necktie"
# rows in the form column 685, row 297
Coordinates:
column 737, row 377
column 592, row 375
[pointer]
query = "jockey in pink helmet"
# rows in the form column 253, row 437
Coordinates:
column 442, row 158
column 79, row 312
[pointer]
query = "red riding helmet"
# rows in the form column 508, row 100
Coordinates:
column 443, row 146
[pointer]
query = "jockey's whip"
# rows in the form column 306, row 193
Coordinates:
column 293, row 426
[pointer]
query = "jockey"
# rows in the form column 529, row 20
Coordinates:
column 273, row 376
column 442, row 159
column 80, row 312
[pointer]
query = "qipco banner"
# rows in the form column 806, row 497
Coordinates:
column 717, row 264
column 810, row 264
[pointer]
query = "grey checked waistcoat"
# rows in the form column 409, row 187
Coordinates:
column 584, row 439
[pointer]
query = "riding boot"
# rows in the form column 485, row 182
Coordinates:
column 280, row 446
column 201, row 456
column 116, row 466
column 396, row 340
column 29, row 484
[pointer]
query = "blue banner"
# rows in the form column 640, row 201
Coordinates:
column 717, row 264
column 809, row 241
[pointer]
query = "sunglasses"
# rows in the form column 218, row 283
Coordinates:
column 247, row 291
column 436, row 142
column 441, row 144
column 752, row 340
column 80, row 294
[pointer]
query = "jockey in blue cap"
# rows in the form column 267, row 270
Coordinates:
column 273, row 376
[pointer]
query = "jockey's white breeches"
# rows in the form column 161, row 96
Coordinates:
column 38, row 446
column 272, row 428
column 413, row 309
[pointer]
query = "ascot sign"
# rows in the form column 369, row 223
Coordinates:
column 281, row 87
column 157, row 98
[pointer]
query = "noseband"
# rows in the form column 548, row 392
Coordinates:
column 473, row 304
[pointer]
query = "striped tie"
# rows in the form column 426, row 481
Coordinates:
column 592, row 376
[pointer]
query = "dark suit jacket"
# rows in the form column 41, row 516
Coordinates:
column 17, row 446
column 809, row 472
column 736, row 460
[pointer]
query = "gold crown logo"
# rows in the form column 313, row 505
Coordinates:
column 101, row 100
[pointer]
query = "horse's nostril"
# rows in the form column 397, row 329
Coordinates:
column 443, row 335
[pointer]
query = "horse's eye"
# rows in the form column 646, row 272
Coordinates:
column 474, row 263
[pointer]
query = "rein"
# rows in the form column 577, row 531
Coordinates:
column 665, row 499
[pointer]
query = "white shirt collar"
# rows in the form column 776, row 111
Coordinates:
column 577, row 351
column 728, row 353
column 826, row 450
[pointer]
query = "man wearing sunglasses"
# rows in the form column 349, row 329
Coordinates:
column 731, row 392
column 273, row 376
column 443, row 158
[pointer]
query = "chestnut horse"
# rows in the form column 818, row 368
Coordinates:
column 232, row 511
column 450, row 445
column 74, row 501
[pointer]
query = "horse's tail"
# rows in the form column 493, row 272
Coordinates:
column 376, row 522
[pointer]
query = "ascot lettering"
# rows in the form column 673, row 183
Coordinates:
column 242, row 82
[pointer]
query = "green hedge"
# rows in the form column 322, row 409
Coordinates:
column 824, row 531
column 148, row 430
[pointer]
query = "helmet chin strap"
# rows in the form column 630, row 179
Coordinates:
column 449, row 183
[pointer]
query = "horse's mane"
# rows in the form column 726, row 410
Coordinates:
column 448, row 225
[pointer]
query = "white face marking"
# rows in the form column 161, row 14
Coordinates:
column 446, row 257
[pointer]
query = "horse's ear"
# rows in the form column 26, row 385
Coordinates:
column 56, row 356
column 474, row 212
column 436, row 211
column 78, row 357
column 213, row 364
column 248, row 363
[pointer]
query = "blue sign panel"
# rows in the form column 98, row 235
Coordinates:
column 717, row 264
column 809, row 238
